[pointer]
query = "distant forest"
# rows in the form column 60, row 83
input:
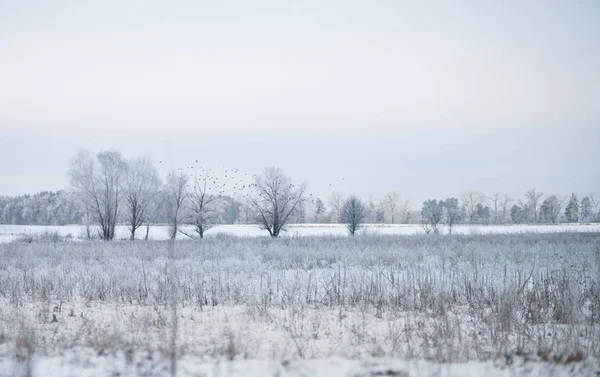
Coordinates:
column 107, row 189
column 44, row 208
column 60, row 208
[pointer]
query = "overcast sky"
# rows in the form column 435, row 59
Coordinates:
column 427, row 98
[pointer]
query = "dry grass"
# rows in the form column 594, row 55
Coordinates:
column 448, row 299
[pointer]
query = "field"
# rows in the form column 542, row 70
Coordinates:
column 373, row 305
column 10, row 233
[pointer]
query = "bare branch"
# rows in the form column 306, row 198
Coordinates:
column 276, row 199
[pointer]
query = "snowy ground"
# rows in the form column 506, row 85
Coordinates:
column 86, row 362
column 129, row 340
column 158, row 232
column 376, row 305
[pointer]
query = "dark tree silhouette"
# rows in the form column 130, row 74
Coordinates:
column 353, row 214
column 276, row 199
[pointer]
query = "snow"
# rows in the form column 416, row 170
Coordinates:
column 302, row 306
column 84, row 363
column 160, row 232
column 230, row 341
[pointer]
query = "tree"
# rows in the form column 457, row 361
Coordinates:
column 526, row 213
column 43, row 208
column 175, row 197
column 319, row 209
column 572, row 209
column 406, row 211
column 504, row 202
column 201, row 207
column 336, row 201
column 299, row 215
column 353, row 213
column 496, row 207
column 587, row 210
column 370, row 210
column 533, row 198
column 231, row 210
column 550, row 209
column 482, row 214
column 375, row 211
column 391, row 202
column 471, row 199
column 140, row 189
column 517, row 214
column 276, row 199
column 97, row 183
column 431, row 215
column 596, row 207
column 452, row 212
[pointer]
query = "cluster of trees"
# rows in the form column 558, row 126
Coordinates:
column 390, row 209
column 106, row 190
column 477, row 208
column 554, row 209
column 434, row 213
column 44, row 208
column 112, row 190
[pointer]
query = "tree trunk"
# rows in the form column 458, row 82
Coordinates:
column 175, row 226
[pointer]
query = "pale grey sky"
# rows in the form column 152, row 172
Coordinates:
column 428, row 98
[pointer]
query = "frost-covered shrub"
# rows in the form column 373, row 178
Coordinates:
column 44, row 237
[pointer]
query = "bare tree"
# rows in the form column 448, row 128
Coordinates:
column 97, row 183
column 405, row 211
column 471, row 199
column 335, row 202
column 533, row 199
column 140, row 189
column 504, row 203
column 353, row 213
column 175, row 197
column 595, row 205
column 495, row 206
column 276, row 199
column 370, row 210
column 202, row 211
column 391, row 202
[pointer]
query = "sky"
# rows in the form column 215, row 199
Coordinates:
column 428, row 98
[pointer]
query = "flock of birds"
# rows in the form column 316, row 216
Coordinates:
column 232, row 182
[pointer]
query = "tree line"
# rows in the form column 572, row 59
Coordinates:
column 106, row 189
column 477, row 208
column 44, row 208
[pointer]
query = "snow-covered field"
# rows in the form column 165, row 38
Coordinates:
column 375, row 305
column 159, row 232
